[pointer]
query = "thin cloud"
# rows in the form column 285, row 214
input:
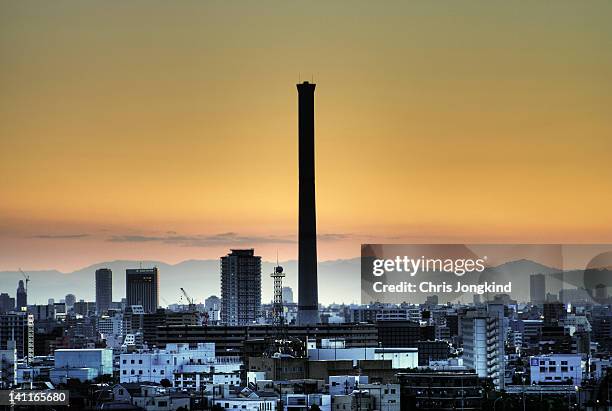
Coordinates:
column 201, row 240
column 59, row 236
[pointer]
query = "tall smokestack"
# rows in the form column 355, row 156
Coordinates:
column 308, row 300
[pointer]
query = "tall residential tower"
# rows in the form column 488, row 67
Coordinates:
column 240, row 287
column 22, row 296
column 104, row 290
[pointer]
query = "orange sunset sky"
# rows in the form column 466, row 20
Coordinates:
column 155, row 130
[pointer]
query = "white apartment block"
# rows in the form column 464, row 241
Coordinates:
column 399, row 357
column 248, row 404
column 556, row 369
column 111, row 329
column 304, row 402
column 181, row 365
column 483, row 346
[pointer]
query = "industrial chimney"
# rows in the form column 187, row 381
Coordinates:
column 308, row 300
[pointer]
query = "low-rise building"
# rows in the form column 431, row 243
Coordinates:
column 304, row 402
column 399, row 357
column 81, row 364
column 249, row 404
column 556, row 369
column 183, row 366
column 441, row 390
column 157, row 398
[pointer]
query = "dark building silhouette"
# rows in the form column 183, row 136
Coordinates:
column 240, row 287
column 537, row 288
column 17, row 331
column 22, row 296
column 142, row 288
column 308, row 301
column 554, row 312
column 7, row 303
column 70, row 299
column 104, row 290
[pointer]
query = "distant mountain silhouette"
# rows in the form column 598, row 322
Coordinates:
column 338, row 280
column 524, row 265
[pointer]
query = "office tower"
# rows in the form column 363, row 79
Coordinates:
column 17, row 331
column 240, row 287
column 287, row 295
column 70, row 300
column 483, row 345
column 22, row 296
column 7, row 303
column 537, row 288
column 104, row 290
column 308, row 301
column 142, row 288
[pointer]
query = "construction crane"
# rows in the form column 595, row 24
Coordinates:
column 190, row 300
column 27, row 279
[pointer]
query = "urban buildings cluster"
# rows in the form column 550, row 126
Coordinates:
column 233, row 352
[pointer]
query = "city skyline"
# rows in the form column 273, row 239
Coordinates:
column 127, row 141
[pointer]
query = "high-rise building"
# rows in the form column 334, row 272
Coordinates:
column 17, row 331
column 22, row 296
column 70, row 300
column 287, row 295
column 308, row 300
column 483, row 345
column 537, row 288
column 240, row 287
column 7, row 303
column 104, row 290
column 142, row 288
